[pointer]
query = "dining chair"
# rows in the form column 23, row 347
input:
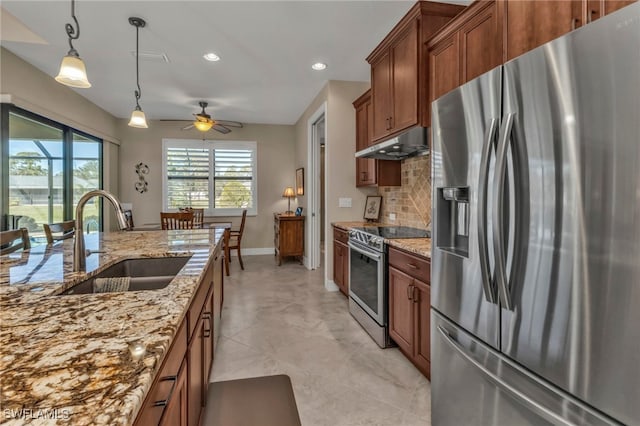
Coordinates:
column 66, row 230
column 235, row 239
column 198, row 216
column 179, row 220
column 14, row 240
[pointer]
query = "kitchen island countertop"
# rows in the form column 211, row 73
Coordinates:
column 67, row 358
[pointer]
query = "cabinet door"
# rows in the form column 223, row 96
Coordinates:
column 599, row 8
column 195, row 367
column 381, row 96
column 533, row 23
column 338, row 265
column 481, row 43
column 401, row 310
column 176, row 412
column 444, row 66
column 404, row 78
column 422, row 306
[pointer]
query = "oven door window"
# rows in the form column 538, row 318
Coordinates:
column 364, row 284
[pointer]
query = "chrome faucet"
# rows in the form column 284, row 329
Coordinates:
column 79, row 255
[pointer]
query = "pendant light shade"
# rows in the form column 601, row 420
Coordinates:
column 138, row 118
column 203, row 126
column 72, row 70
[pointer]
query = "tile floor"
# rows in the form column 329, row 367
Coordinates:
column 280, row 320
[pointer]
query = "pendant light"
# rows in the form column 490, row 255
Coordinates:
column 137, row 116
column 72, row 70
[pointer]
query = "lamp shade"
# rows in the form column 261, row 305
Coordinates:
column 73, row 72
column 288, row 192
column 138, row 119
column 203, row 126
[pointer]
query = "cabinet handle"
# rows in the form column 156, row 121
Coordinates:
column 164, row 402
column 207, row 332
column 410, row 292
column 390, row 123
column 414, row 295
column 412, row 265
column 590, row 15
column 574, row 23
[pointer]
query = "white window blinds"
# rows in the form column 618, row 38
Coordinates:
column 219, row 176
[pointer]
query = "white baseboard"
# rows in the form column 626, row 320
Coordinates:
column 329, row 285
column 254, row 251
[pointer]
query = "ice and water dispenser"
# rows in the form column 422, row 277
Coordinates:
column 452, row 206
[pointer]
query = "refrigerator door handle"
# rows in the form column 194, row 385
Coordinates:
column 498, row 209
column 506, row 387
column 483, row 247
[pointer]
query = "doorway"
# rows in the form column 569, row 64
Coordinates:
column 316, row 153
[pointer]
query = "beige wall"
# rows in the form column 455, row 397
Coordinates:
column 29, row 88
column 276, row 170
column 339, row 157
column 411, row 202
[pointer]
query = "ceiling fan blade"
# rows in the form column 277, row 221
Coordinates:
column 220, row 128
column 190, row 126
column 229, row 123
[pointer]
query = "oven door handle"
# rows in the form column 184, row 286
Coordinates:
column 372, row 255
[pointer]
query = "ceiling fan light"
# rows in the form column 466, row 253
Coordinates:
column 138, row 119
column 203, row 126
column 73, row 72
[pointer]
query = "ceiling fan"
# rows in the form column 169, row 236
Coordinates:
column 204, row 122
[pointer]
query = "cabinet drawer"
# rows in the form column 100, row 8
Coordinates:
column 417, row 267
column 165, row 381
column 340, row 235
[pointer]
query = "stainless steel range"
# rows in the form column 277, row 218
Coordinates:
column 368, row 281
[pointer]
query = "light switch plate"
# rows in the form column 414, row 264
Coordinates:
column 344, row 202
column 392, row 217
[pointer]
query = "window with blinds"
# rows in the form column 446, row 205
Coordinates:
column 219, row 176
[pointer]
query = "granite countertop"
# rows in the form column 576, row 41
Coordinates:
column 419, row 246
column 68, row 357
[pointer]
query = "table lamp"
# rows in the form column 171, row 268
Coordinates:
column 288, row 192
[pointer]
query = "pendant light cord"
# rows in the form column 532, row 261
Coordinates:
column 73, row 33
column 139, row 91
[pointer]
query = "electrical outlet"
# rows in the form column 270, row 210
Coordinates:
column 392, row 217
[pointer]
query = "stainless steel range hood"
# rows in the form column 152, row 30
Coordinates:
column 411, row 143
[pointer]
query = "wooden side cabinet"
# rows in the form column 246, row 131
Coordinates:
column 288, row 236
column 341, row 260
column 371, row 172
column 409, row 307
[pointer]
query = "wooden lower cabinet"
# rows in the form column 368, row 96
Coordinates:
column 176, row 413
column 341, row 260
column 179, row 392
column 410, row 307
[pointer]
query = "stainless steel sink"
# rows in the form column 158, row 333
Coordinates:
column 145, row 274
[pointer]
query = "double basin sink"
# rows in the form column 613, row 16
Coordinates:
column 142, row 274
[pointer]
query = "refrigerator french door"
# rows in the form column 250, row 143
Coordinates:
column 536, row 259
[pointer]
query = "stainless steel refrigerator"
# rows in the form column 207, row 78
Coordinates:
column 535, row 287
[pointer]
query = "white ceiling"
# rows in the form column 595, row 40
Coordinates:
column 267, row 49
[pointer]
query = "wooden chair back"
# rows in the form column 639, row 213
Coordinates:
column 238, row 233
column 198, row 216
column 180, row 220
column 66, row 230
column 14, row 240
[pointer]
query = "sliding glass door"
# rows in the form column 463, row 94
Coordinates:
column 46, row 168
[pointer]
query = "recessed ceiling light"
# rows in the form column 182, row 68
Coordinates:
column 211, row 57
column 319, row 66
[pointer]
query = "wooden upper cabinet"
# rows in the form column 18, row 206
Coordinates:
column 598, row 8
column 469, row 46
column 398, row 73
column 404, row 80
column 530, row 23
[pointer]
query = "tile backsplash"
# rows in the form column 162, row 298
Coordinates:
column 411, row 202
